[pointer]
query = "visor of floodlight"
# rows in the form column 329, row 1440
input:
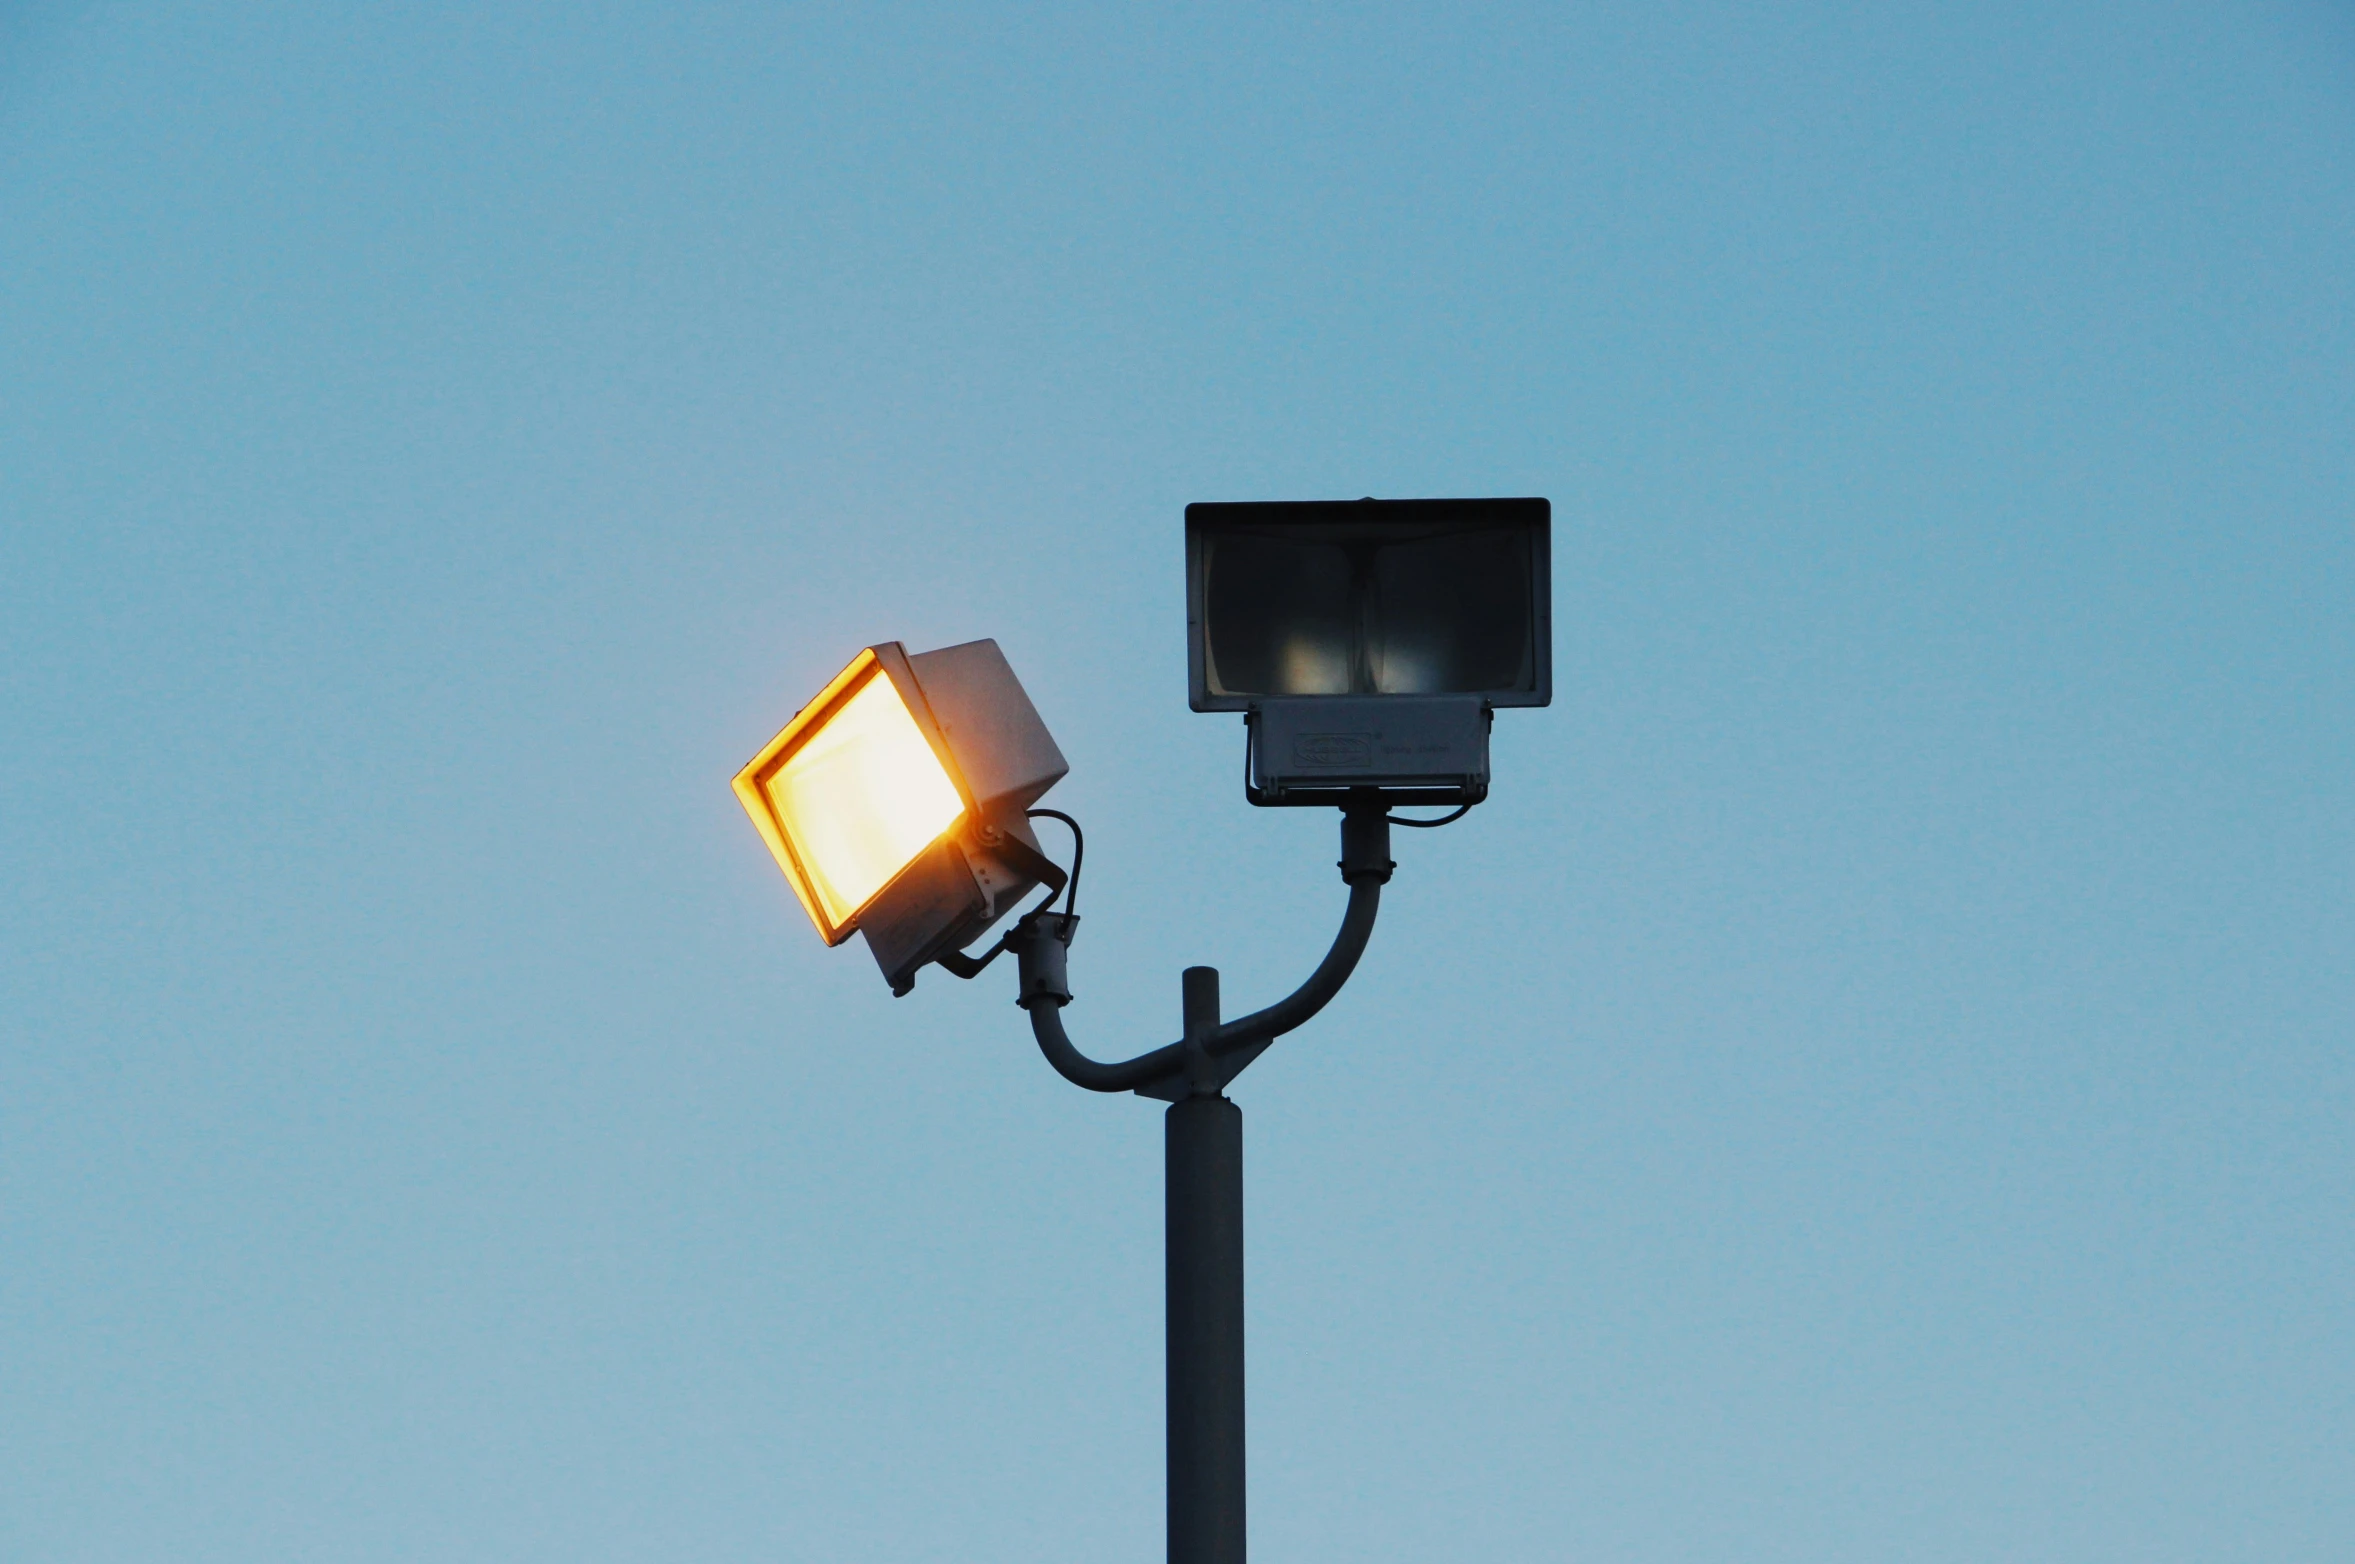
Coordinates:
column 894, row 800
column 1369, row 598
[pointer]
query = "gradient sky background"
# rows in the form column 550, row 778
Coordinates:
column 1873, row 1084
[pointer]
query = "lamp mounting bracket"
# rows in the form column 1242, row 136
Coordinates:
column 1211, row 1053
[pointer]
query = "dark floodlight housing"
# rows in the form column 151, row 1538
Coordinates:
column 895, row 801
column 1368, row 641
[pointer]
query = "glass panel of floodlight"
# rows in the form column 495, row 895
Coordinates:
column 1282, row 616
column 861, row 796
column 1450, row 614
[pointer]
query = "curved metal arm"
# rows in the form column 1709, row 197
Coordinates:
column 1046, row 1024
column 1357, row 926
column 1295, row 1008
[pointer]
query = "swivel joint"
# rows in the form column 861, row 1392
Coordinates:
column 1365, row 843
column 1042, row 951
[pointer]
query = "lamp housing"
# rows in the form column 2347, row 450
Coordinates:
column 1369, row 641
column 894, row 801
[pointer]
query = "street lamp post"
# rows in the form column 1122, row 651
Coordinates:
column 1368, row 645
column 1203, row 1161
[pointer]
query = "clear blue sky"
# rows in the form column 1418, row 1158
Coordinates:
column 1873, row 1084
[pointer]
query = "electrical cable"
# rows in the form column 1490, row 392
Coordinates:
column 1425, row 825
column 1079, row 852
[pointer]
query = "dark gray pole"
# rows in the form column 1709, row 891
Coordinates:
column 1204, row 1172
column 1205, row 1261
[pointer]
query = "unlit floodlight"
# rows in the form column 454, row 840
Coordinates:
column 894, row 801
column 1369, row 640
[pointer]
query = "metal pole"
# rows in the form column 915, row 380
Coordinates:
column 1204, row 1173
column 1205, row 1278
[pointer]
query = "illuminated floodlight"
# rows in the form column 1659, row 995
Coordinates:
column 1369, row 640
column 894, row 801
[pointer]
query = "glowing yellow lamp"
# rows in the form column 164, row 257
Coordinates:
column 894, row 801
column 860, row 796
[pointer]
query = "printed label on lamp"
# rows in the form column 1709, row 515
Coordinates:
column 1334, row 751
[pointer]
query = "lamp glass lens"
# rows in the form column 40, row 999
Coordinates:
column 1450, row 614
column 1283, row 616
column 862, row 796
column 1377, row 610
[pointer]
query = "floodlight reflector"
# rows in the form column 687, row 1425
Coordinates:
column 1369, row 598
column 860, row 797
